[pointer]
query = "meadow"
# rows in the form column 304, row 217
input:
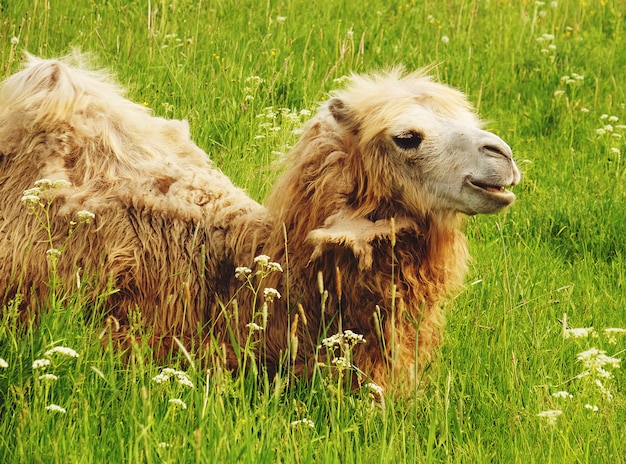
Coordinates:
column 529, row 371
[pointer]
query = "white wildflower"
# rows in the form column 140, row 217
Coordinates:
column 255, row 79
column 591, row 407
column 613, row 119
column 353, row 338
column 85, row 217
column 183, row 379
column 281, row 19
column 259, row 137
column 305, row 112
column 600, row 131
column 612, row 332
column 604, row 116
column 242, row 272
column 56, row 408
column 254, row 326
column 164, row 445
column 178, row 402
column 31, row 200
column 41, row 363
column 376, row 389
column 445, row 39
column 341, row 80
column 554, row 4
column 341, row 363
column 53, row 252
column 558, row 93
column 3, row 363
column 15, row 40
column 48, row 377
column 161, row 378
column 548, row 36
column 562, row 394
column 550, row 415
column 273, row 266
column 333, row 340
column 36, row 191
column 61, row 350
column 270, row 294
column 262, row 260
column 615, row 150
column 307, row 422
column 595, row 361
column 608, row 128
column 47, row 183
column 580, row 332
column 584, row 110
column 605, row 391
column 621, row 126
column 168, row 373
column 552, row 47
column 52, row 184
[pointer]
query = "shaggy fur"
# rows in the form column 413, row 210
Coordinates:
column 369, row 208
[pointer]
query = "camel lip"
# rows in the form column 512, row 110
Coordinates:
column 493, row 190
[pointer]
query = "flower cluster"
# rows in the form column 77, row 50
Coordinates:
column 168, row 373
column 548, row 47
column 347, row 339
column 253, row 326
column 264, row 262
column 344, row 341
column 594, row 361
column 277, row 127
column 178, row 402
column 596, row 378
column 48, row 378
column 569, row 81
column 56, row 408
column 613, row 131
column 306, row 422
column 34, row 196
column 62, row 350
column 44, row 362
column 550, row 415
column 270, row 294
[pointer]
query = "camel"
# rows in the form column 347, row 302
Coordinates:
column 358, row 244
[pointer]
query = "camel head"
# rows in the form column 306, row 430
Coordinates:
column 418, row 147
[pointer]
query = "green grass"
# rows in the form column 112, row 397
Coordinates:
column 560, row 249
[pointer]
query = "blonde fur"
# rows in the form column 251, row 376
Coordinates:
column 375, row 219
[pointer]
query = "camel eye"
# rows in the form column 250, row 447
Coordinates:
column 408, row 140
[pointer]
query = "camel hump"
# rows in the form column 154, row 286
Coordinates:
column 47, row 93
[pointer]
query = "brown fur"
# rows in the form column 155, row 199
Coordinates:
column 170, row 228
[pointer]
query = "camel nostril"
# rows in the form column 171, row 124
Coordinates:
column 496, row 150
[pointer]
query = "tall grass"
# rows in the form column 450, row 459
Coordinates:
column 550, row 79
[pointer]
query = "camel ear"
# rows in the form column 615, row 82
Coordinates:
column 343, row 114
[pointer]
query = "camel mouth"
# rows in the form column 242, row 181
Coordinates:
column 493, row 190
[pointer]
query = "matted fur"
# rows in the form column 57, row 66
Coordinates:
column 377, row 221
